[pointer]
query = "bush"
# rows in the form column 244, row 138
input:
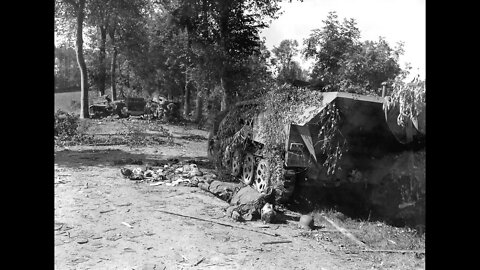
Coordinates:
column 66, row 125
column 75, row 105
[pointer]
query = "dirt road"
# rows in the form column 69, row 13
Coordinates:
column 105, row 221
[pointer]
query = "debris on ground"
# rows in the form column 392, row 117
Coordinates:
column 276, row 242
column 126, row 224
column 82, row 240
column 306, row 222
column 246, row 203
column 171, row 173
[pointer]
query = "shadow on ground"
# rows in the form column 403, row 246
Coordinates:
column 116, row 158
column 354, row 202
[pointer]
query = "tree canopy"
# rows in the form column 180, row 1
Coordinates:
column 209, row 49
column 344, row 63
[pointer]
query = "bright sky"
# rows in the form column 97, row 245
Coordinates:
column 395, row 20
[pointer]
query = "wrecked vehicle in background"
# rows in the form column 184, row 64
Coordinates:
column 134, row 106
column 162, row 108
column 131, row 106
column 103, row 107
column 346, row 142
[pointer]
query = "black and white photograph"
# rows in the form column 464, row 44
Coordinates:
column 239, row 134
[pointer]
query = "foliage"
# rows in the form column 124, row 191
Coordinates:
column 65, row 124
column 282, row 106
column 224, row 35
column 344, row 63
column 333, row 143
column 329, row 46
column 67, row 74
column 410, row 98
column 287, row 69
column 286, row 105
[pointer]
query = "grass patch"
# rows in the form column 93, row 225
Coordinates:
column 376, row 235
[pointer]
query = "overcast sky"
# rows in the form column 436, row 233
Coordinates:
column 395, row 20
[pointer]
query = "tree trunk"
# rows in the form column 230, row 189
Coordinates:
column 186, row 107
column 81, row 61
column 198, row 107
column 113, row 82
column 101, row 57
column 66, row 81
column 223, row 103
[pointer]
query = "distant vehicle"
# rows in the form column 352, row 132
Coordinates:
column 130, row 106
column 158, row 108
column 101, row 107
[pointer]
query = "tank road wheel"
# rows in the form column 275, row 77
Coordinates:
column 262, row 175
column 247, row 170
column 237, row 163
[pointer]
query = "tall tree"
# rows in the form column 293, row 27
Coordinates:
column 344, row 63
column 108, row 17
column 226, row 31
column 77, row 8
column 288, row 70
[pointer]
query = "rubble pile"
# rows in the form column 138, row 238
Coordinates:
column 170, row 173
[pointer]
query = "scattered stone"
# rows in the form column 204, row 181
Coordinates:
column 148, row 233
column 82, row 240
column 128, row 225
column 58, row 226
column 114, row 237
column 124, row 204
column 128, row 250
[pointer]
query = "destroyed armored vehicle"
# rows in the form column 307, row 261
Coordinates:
column 131, row 106
column 344, row 138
